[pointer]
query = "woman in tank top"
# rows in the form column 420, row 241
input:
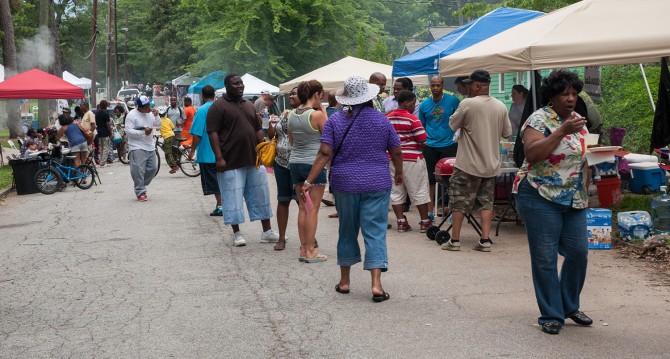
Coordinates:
column 305, row 125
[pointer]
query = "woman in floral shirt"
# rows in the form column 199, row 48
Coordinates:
column 551, row 198
column 285, row 191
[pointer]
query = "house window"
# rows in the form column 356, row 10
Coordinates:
column 501, row 83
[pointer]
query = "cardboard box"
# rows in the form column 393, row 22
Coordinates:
column 599, row 228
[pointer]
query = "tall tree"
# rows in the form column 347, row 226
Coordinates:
column 277, row 39
column 482, row 7
column 9, row 61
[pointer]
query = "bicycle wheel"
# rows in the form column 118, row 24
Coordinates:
column 158, row 163
column 122, row 151
column 47, row 180
column 190, row 168
column 85, row 174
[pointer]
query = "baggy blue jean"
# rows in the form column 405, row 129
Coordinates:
column 367, row 212
column 553, row 228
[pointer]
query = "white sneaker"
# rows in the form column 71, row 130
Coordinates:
column 451, row 246
column 269, row 236
column 238, row 239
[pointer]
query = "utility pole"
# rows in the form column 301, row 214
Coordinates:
column 94, row 88
column 125, row 50
column 43, row 105
column 116, row 54
column 108, row 53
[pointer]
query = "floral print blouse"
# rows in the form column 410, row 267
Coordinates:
column 561, row 177
column 283, row 145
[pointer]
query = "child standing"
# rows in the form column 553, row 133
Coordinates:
column 167, row 131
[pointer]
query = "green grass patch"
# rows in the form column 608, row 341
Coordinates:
column 633, row 202
column 4, row 134
column 5, row 176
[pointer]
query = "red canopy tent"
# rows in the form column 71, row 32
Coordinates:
column 37, row 84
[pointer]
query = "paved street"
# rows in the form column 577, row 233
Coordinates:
column 96, row 274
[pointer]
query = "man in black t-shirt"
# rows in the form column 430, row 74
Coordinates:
column 234, row 131
column 104, row 127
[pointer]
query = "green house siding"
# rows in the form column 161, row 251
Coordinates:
column 504, row 93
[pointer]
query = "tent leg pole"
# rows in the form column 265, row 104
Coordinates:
column 532, row 86
column 646, row 83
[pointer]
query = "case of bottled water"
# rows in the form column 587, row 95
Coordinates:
column 634, row 225
column 599, row 228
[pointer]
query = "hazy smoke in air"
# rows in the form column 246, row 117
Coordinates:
column 37, row 51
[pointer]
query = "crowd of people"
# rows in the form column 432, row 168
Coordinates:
column 374, row 153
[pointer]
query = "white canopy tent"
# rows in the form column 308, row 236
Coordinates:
column 79, row 82
column 590, row 32
column 252, row 86
column 2, row 73
column 332, row 76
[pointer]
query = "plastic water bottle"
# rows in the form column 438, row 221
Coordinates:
column 660, row 212
column 266, row 119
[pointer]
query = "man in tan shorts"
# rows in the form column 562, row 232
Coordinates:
column 482, row 120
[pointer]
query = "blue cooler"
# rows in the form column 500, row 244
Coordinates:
column 646, row 175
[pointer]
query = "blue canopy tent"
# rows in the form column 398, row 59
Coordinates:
column 215, row 79
column 426, row 60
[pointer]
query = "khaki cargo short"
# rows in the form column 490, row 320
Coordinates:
column 468, row 193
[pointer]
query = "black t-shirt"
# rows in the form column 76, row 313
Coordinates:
column 101, row 123
column 237, row 124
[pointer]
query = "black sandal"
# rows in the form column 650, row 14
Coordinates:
column 343, row 291
column 377, row 298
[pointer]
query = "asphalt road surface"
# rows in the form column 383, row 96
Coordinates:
column 96, row 274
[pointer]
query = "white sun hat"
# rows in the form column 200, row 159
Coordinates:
column 356, row 91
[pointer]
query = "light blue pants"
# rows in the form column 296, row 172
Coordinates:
column 143, row 167
column 367, row 212
column 246, row 184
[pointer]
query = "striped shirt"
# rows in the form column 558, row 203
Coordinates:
column 411, row 133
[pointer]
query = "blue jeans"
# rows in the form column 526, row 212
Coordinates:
column 554, row 229
column 367, row 212
column 246, row 184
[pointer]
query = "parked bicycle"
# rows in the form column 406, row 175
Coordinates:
column 55, row 174
column 187, row 166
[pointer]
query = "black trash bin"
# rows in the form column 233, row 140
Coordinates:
column 24, row 174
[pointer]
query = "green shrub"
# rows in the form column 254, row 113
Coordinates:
column 626, row 103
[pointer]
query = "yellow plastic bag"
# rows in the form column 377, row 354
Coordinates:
column 265, row 153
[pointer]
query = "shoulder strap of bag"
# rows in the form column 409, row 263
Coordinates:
column 337, row 149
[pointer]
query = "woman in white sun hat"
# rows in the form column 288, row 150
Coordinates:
column 356, row 141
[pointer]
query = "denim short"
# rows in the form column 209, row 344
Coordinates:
column 300, row 171
column 285, row 189
column 244, row 185
column 82, row 147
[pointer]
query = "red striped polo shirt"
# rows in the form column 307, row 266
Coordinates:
column 411, row 133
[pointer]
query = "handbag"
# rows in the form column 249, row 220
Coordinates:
column 88, row 134
column 266, row 152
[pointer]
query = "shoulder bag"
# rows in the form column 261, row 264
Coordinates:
column 266, row 152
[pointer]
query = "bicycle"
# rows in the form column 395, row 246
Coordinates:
column 122, row 149
column 52, row 177
column 187, row 166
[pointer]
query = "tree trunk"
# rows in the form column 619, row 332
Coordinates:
column 9, row 60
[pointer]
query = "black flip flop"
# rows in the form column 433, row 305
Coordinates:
column 343, row 291
column 380, row 297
